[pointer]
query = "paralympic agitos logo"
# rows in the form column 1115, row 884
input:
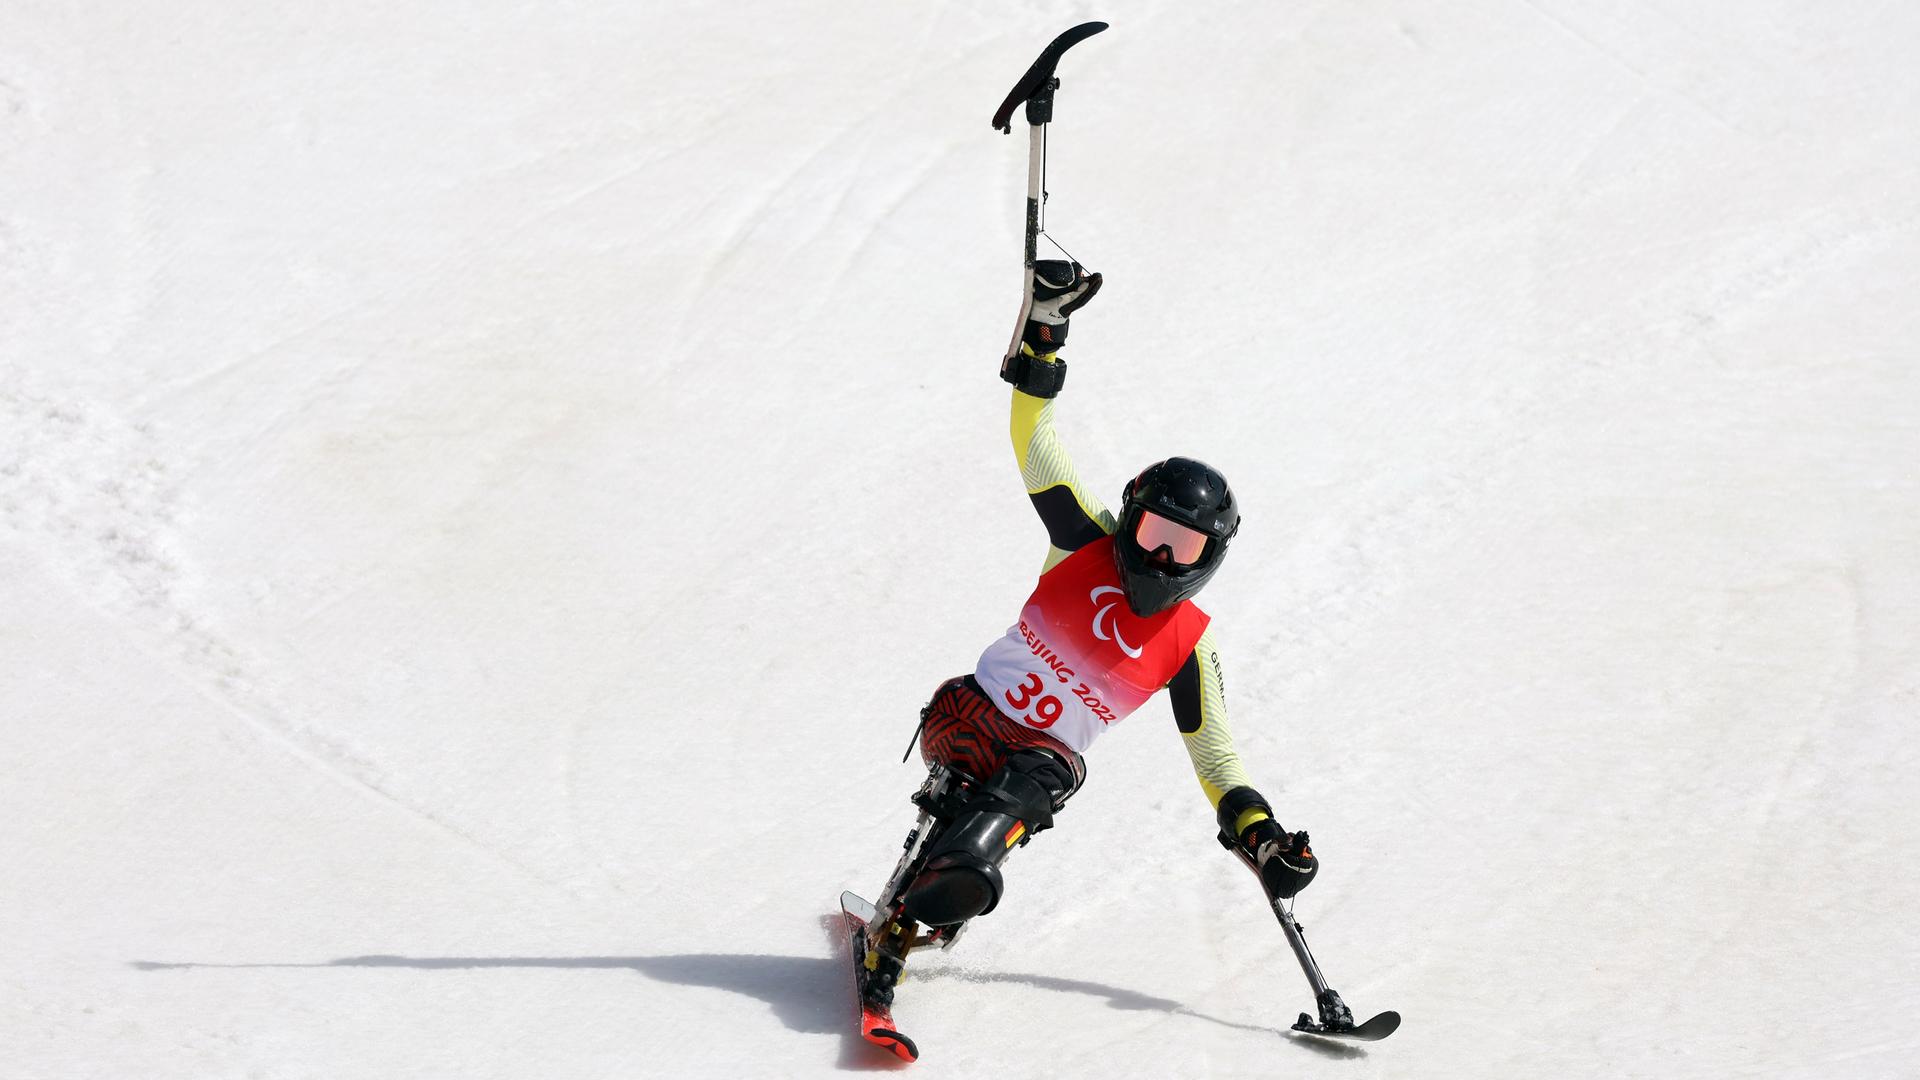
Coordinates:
column 1100, row 620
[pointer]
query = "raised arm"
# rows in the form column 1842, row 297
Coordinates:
column 1073, row 517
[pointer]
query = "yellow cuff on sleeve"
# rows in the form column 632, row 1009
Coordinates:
column 1245, row 821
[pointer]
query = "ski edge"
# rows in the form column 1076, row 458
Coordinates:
column 876, row 1026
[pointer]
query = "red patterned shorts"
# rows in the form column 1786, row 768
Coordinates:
column 961, row 728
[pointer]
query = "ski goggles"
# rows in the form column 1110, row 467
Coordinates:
column 1184, row 545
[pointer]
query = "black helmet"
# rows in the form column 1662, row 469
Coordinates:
column 1174, row 526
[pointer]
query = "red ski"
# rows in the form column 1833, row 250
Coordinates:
column 876, row 1021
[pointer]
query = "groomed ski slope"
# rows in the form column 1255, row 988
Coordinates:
column 486, row 488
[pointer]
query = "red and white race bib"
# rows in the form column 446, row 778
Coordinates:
column 1079, row 660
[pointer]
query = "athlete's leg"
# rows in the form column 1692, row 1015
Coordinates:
column 963, row 730
column 962, row 875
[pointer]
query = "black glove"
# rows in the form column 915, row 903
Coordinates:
column 1286, row 863
column 1059, row 289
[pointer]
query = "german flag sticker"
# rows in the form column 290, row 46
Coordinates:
column 1014, row 834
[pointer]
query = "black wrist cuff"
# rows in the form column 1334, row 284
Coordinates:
column 1031, row 375
column 1236, row 802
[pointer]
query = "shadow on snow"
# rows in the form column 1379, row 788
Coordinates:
column 810, row 995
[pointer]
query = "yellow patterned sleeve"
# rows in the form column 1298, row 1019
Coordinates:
column 1073, row 517
column 1200, row 708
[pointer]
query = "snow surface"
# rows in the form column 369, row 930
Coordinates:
column 486, row 488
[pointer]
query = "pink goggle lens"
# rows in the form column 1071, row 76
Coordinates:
column 1155, row 532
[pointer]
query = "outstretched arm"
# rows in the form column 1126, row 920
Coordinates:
column 1200, row 708
column 1285, row 862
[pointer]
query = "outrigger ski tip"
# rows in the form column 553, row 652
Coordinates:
column 1035, row 88
column 1336, row 1020
column 1373, row 1030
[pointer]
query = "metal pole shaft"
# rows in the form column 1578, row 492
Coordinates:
column 1300, row 951
column 1036, row 159
column 1036, row 156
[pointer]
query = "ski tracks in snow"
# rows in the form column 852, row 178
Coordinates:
column 96, row 497
column 97, row 493
column 1621, row 60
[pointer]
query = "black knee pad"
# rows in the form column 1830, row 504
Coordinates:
column 1019, row 792
column 962, row 875
column 953, row 888
column 1047, row 769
